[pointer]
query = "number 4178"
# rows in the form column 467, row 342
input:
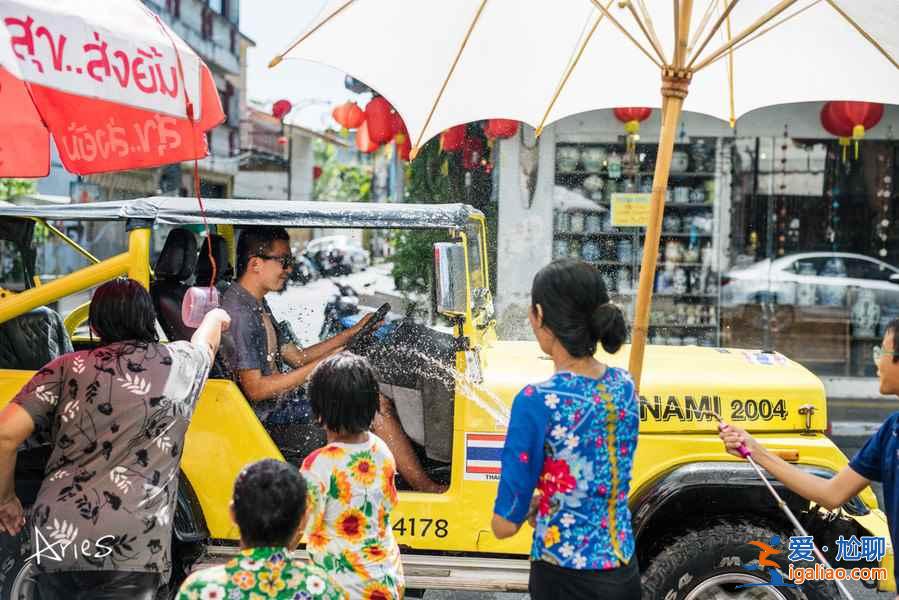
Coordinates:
column 421, row 527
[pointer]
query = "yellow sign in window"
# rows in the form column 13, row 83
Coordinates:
column 630, row 210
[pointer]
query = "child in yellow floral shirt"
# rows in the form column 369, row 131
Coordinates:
column 351, row 484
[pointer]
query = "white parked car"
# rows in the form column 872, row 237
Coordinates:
column 358, row 258
column 811, row 278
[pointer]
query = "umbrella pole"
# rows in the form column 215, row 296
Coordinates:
column 674, row 89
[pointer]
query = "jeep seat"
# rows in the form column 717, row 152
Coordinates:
column 174, row 268
column 224, row 271
column 33, row 339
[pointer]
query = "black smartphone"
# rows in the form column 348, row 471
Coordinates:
column 377, row 318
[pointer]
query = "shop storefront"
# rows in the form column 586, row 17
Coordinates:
column 771, row 238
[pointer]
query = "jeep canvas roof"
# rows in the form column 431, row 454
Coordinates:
column 286, row 213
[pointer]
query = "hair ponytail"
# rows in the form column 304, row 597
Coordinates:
column 576, row 307
column 608, row 327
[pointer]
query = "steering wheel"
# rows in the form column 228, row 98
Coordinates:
column 364, row 335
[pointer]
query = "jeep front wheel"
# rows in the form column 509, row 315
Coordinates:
column 16, row 569
column 717, row 562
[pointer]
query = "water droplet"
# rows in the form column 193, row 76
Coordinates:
column 885, row 223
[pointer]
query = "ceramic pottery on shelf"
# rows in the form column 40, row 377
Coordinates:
column 567, row 158
column 865, row 314
column 593, row 159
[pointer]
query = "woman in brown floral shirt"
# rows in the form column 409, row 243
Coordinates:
column 101, row 526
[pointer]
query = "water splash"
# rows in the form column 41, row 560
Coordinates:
column 485, row 399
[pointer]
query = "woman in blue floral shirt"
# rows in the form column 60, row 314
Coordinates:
column 572, row 439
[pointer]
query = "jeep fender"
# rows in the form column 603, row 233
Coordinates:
column 698, row 492
column 189, row 523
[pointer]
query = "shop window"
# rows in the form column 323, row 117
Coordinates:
column 226, row 95
column 234, row 142
column 12, row 267
column 825, row 227
column 173, row 7
column 206, row 29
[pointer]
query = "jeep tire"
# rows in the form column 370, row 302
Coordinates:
column 16, row 570
column 702, row 564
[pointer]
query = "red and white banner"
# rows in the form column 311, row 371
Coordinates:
column 108, row 79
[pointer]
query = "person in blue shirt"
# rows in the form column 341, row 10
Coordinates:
column 572, row 438
column 878, row 460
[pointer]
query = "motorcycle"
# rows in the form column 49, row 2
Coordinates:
column 341, row 312
column 304, row 271
column 330, row 262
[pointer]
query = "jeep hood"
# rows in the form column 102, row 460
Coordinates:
column 757, row 391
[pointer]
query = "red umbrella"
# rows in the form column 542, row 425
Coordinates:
column 113, row 85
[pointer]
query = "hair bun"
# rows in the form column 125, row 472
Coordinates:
column 608, row 325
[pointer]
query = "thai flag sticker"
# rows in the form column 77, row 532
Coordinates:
column 483, row 455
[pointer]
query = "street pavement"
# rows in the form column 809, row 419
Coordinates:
column 852, row 421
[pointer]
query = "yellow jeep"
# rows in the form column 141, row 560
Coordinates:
column 694, row 507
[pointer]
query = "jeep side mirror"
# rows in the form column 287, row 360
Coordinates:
column 449, row 270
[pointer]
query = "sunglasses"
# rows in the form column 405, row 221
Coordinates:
column 880, row 353
column 287, row 261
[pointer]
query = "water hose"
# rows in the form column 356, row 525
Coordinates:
column 747, row 454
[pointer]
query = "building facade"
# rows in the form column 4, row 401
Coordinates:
column 212, row 29
column 773, row 236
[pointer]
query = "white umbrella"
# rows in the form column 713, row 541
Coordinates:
column 443, row 63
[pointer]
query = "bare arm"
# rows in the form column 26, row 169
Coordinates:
column 15, row 427
column 829, row 493
column 297, row 358
column 258, row 387
column 322, row 350
column 504, row 528
column 209, row 334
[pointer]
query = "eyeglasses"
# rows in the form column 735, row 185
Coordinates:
column 287, row 261
column 880, row 353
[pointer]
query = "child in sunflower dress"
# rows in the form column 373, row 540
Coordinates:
column 351, row 484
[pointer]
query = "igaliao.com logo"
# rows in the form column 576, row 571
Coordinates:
column 773, row 568
column 801, row 548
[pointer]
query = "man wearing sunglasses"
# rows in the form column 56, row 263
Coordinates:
column 878, row 460
column 271, row 369
column 268, row 367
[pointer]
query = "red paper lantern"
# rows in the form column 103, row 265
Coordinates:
column 632, row 116
column 379, row 116
column 316, row 172
column 348, row 115
column 497, row 129
column 399, row 127
column 849, row 120
column 404, row 147
column 281, row 108
column 453, row 139
column 472, row 153
column 363, row 140
column 282, row 140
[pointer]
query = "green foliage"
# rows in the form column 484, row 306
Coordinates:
column 10, row 188
column 412, row 259
column 437, row 177
column 429, row 183
column 340, row 182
